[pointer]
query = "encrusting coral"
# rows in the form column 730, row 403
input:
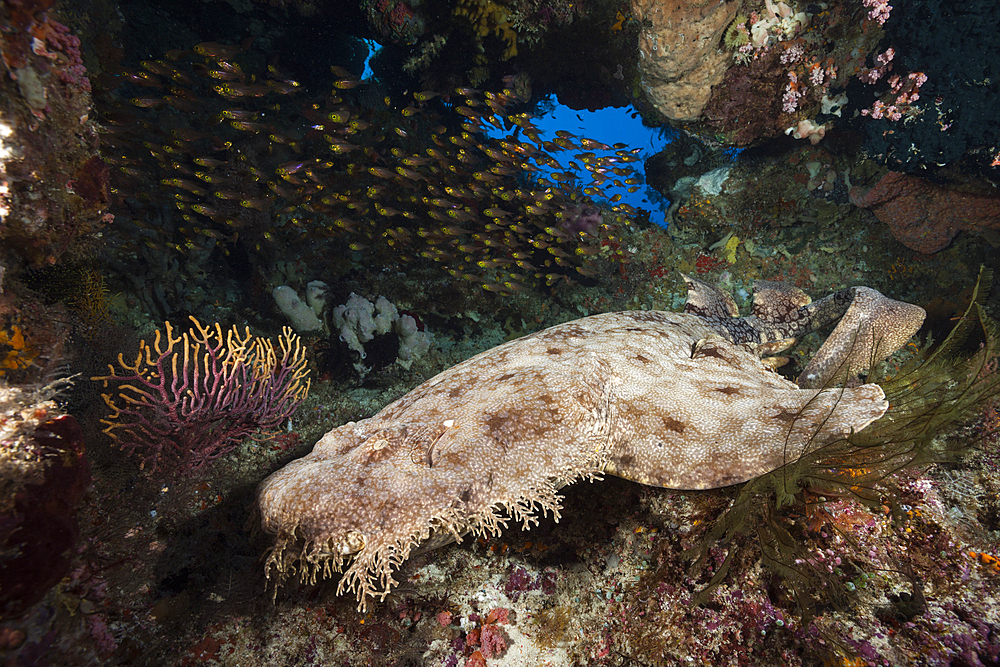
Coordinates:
column 925, row 216
column 679, row 400
column 15, row 353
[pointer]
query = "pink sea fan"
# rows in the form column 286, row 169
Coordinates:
column 188, row 399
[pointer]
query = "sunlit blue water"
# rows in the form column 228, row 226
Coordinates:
column 609, row 126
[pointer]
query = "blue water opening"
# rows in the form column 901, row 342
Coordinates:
column 373, row 48
column 611, row 126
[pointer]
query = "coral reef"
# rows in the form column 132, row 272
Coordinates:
column 53, row 184
column 243, row 149
column 789, row 70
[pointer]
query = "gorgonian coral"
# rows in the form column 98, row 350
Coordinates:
column 188, row 399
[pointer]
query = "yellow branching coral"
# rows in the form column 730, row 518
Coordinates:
column 487, row 17
column 15, row 351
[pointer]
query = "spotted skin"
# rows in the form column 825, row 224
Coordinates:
column 870, row 326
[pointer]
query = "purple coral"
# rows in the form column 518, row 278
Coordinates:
column 202, row 392
column 518, row 582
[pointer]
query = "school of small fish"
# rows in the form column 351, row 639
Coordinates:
column 235, row 151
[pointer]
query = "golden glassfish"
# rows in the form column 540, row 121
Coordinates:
column 347, row 84
column 216, row 50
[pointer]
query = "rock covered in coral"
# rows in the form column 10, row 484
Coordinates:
column 54, row 186
column 746, row 106
column 924, row 216
column 359, row 322
column 43, row 474
column 679, row 56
